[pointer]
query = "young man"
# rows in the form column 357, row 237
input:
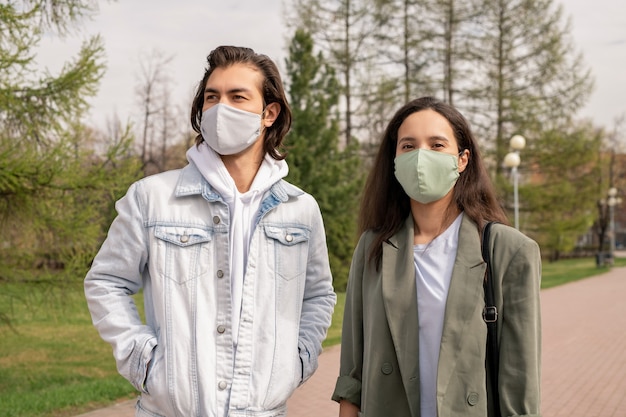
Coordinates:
column 232, row 260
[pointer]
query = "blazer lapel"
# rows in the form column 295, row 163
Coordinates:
column 400, row 301
column 466, row 290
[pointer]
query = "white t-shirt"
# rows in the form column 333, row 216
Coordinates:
column 434, row 262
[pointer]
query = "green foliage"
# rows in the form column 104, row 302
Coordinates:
column 56, row 189
column 57, row 202
column 316, row 162
column 560, row 200
column 342, row 29
column 37, row 106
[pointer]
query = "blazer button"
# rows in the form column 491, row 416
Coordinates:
column 216, row 219
column 472, row 398
column 387, row 368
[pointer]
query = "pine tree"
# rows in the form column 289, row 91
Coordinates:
column 316, row 162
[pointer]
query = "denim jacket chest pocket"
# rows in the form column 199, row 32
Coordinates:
column 291, row 247
column 183, row 252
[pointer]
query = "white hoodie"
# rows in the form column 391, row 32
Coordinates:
column 242, row 207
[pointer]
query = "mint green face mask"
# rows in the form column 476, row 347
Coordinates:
column 426, row 175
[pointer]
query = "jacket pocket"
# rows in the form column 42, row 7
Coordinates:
column 156, row 399
column 291, row 246
column 155, row 376
column 183, row 251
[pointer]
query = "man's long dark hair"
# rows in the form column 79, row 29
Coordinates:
column 272, row 89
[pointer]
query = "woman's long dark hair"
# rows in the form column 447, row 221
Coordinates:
column 385, row 206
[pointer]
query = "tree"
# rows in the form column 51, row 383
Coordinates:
column 158, row 114
column 456, row 45
column 316, row 162
column 341, row 29
column 534, row 80
column 611, row 175
column 432, row 41
column 559, row 202
column 428, row 47
column 35, row 105
column 56, row 192
column 399, row 64
column 404, row 44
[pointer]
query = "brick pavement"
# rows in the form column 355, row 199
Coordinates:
column 584, row 347
column 584, row 356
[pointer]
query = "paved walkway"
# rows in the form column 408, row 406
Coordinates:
column 584, row 356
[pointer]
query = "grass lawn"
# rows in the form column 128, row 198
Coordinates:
column 334, row 332
column 569, row 270
column 54, row 364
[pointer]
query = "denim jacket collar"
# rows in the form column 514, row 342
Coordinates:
column 191, row 182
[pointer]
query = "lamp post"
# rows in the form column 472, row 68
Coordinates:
column 512, row 160
column 612, row 201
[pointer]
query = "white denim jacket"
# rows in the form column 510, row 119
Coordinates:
column 171, row 238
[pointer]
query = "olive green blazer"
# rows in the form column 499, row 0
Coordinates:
column 379, row 368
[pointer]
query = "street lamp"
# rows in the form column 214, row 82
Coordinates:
column 612, row 201
column 512, row 160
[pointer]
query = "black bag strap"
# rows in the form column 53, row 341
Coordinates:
column 490, row 315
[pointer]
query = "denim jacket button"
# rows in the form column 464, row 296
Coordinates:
column 221, row 328
column 289, row 238
column 184, row 238
column 222, row 385
column 216, row 219
column 220, row 274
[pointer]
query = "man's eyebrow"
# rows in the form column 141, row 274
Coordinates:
column 231, row 91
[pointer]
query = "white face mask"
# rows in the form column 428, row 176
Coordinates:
column 228, row 130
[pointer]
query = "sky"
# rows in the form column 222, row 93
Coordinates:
column 190, row 29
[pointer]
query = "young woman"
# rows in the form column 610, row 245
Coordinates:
column 414, row 338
